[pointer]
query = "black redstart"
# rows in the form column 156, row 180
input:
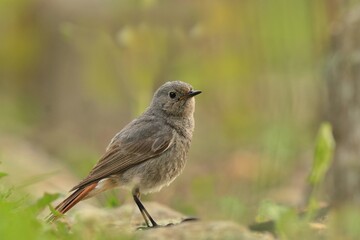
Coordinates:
column 147, row 154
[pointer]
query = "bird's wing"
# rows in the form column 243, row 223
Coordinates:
column 123, row 154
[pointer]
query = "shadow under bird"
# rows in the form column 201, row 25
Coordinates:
column 147, row 154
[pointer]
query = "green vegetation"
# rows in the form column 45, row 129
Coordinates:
column 20, row 219
column 71, row 76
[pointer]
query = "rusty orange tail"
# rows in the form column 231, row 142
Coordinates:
column 71, row 201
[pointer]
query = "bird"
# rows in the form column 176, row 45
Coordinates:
column 146, row 155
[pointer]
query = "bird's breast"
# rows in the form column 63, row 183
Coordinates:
column 154, row 174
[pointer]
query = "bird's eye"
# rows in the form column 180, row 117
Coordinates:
column 172, row 94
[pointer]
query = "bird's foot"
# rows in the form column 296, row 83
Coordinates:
column 189, row 219
column 147, row 227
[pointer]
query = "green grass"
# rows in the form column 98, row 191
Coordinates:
column 20, row 219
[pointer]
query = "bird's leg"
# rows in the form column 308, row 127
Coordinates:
column 137, row 201
column 143, row 211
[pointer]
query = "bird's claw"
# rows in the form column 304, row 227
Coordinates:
column 188, row 219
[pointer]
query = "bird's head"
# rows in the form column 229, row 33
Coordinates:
column 175, row 99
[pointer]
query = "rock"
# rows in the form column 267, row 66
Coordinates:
column 203, row 230
column 127, row 219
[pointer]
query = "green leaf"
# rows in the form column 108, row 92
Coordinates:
column 45, row 200
column 324, row 150
column 269, row 210
column 2, row 174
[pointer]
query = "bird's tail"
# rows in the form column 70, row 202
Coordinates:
column 72, row 200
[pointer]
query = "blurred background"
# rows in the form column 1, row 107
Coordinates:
column 73, row 73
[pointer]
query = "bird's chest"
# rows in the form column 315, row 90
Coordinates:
column 174, row 160
column 164, row 169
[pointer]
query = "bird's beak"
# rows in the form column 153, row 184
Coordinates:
column 193, row 93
